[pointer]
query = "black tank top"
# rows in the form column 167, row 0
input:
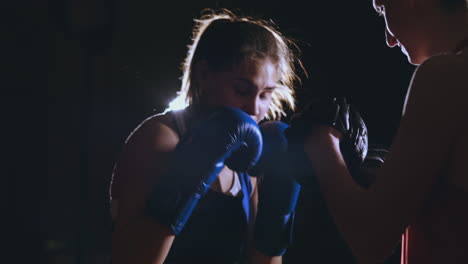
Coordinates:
column 217, row 230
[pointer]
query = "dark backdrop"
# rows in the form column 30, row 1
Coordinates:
column 80, row 75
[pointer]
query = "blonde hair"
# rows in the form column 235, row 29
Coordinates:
column 222, row 38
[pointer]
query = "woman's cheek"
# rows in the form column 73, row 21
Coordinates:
column 264, row 109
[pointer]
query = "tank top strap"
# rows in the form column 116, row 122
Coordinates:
column 246, row 192
column 182, row 120
column 177, row 120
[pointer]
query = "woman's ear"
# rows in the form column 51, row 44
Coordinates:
column 201, row 72
column 200, row 80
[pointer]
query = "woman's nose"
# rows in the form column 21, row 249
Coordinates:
column 391, row 40
column 250, row 106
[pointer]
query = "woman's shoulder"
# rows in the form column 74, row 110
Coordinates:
column 157, row 131
column 445, row 65
column 440, row 81
column 445, row 74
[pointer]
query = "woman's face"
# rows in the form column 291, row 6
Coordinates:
column 248, row 86
column 403, row 22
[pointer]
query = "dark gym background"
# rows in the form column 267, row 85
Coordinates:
column 78, row 76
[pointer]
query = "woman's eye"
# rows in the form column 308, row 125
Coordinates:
column 265, row 95
column 241, row 90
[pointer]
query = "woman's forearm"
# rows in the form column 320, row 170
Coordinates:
column 142, row 241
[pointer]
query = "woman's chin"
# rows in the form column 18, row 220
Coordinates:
column 414, row 59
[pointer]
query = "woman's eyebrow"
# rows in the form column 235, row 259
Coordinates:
column 270, row 88
column 250, row 83
column 247, row 81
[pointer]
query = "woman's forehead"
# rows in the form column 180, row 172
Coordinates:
column 252, row 65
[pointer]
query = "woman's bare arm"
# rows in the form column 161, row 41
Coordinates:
column 138, row 238
column 372, row 221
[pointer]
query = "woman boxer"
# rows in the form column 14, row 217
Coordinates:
column 173, row 198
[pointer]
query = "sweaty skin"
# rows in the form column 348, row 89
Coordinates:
column 427, row 161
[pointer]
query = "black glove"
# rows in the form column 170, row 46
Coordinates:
column 374, row 160
column 334, row 112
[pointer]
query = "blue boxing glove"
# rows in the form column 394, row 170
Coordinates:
column 277, row 192
column 226, row 136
